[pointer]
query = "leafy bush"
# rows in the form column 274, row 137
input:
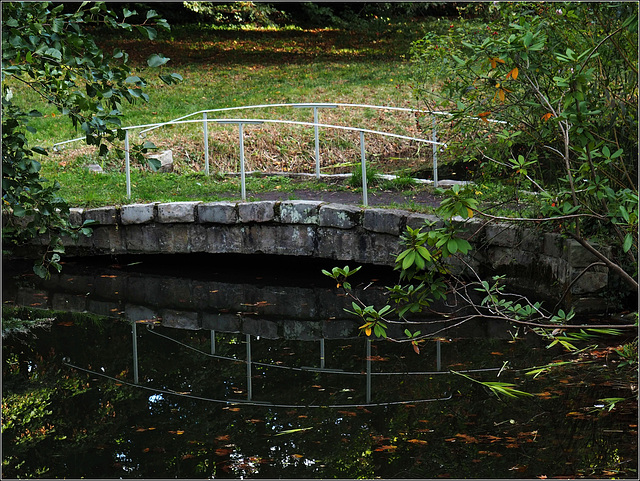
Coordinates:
column 546, row 94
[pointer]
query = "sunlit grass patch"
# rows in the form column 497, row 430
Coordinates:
column 233, row 68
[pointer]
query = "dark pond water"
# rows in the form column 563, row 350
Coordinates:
column 157, row 368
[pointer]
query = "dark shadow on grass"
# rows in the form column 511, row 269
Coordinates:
column 265, row 47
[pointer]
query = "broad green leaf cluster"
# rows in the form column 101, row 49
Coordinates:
column 544, row 97
column 49, row 50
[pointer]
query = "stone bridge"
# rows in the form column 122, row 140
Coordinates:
column 532, row 261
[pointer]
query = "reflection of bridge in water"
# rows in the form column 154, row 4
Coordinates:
column 287, row 300
column 229, row 306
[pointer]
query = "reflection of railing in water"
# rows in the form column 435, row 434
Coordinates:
column 322, row 369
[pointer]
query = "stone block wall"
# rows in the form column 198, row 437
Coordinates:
column 530, row 260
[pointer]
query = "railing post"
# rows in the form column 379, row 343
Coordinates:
column 315, row 129
column 205, row 128
column 435, row 154
column 364, row 170
column 241, row 122
column 127, row 163
column 243, row 188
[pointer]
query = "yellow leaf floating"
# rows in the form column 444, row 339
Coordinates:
column 513, row 73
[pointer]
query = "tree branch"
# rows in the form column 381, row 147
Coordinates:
column 611, row 265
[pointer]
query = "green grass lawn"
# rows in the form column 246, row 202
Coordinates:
column 230, row 68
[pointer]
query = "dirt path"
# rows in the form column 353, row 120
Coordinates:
column 385, row 198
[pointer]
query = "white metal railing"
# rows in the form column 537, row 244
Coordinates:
column 315, row 124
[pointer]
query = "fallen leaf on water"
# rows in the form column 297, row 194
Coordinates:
column 297, row 456
column 417, row 441
column 108, row 277
column 223, row 437
column 466, row 438
column 146, row 450
column 496, row 353
column 388, row 447
column 65, row 323
column 291, row 431
column 222, row 451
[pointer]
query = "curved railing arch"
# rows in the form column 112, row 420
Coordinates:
column 315, row 124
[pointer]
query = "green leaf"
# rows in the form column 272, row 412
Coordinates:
column 39, row 150
column 156, row 60
column 628, row 242
column 625, row 213
column 409, row 260
column 41, row 271
column 617, row 153
column 458, row 59
column 53, row 52
column 154, row 164
column 19, row 211
column 424, row 252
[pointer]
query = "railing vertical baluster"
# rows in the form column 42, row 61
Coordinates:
column 435, row 154
column 205, row 128
column 315, row 129
column 127, row 163
column 364, row 170
column 243, row 187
